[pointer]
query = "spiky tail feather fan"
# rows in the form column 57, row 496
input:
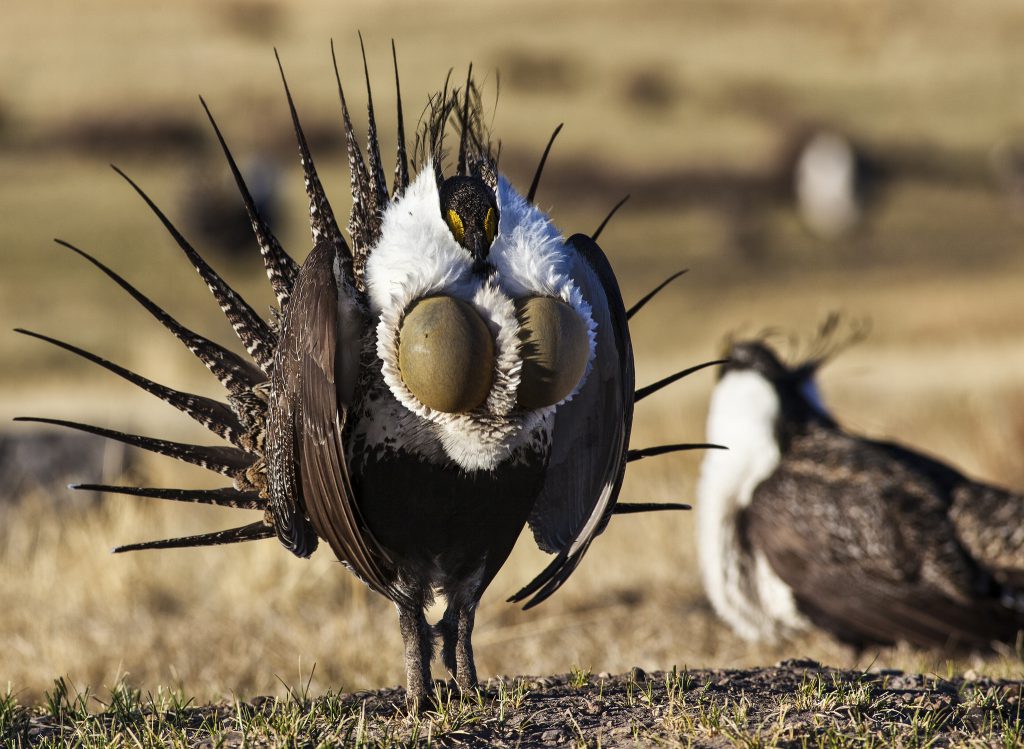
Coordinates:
column 242, row 420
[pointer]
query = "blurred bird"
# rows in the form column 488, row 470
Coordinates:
column 834, row 183
column 1006, row 160
column 452, row 372
column 801, row 523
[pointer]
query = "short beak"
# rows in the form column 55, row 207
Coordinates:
column 480, row 248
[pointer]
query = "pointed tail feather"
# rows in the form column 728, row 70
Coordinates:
column 363, row 222
column 540, row 166
column 214, row 415
column 281, row 268
column 612, row 212
column 375, row 163
column 654, row 387
column 252, row 532
column 254, row 333
column 227, row 497
column 541, row 581
column 229, row 461
column 321, row 215
column 650, row 452
column 236, row 374
column 652, row 293
column 629, row 508
column 402, row 156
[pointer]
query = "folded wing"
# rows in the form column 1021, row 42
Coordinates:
column 869, row 551
column 313, row 377
column 591, row 434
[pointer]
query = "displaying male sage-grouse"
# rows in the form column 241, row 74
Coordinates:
column 801, row 523
column 454, row 371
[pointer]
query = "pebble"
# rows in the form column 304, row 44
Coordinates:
column 795, row 663
column 551, row 736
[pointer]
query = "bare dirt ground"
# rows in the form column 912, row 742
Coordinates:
column 796, row 704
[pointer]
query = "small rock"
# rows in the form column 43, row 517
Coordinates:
column 551, row 736
column 638, row 675
column 795, row 663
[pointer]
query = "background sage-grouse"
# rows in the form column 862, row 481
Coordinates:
column 801, row 522
column 452, row 372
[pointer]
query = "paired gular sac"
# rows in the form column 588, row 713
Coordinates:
column 446, row 353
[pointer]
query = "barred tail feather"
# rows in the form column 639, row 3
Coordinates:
column 227, row 497
column 361, row 221
column 252, row 532
column 254, row 333
column 237, row 375
column 229, row 461
column 321, row 215
column 281, row 268
column 402, row 157
column 375, row 163
column 214, row 415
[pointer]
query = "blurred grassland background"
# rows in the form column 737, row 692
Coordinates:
column 690, row 107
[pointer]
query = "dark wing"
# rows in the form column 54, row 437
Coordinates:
column 591, row 434
column 867, row 547
column 309, row 484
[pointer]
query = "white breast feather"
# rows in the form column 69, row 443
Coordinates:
column 743, row 590
column 533, row 259
column 417, row 257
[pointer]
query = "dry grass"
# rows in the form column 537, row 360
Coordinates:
column 938, row 273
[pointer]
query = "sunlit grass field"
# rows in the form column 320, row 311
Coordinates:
column 938, row 271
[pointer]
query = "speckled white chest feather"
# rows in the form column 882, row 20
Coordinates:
column 418, row 257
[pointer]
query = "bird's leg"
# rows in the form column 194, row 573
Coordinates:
column 419, row 649
column 457, row 647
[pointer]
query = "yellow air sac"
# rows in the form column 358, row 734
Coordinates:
column 555, row 350
column 446, row 354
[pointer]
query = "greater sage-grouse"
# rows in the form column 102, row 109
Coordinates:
column 800, row 522
column 451, row 372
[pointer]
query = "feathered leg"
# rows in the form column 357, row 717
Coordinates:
column 419, row 651
column 456, row 629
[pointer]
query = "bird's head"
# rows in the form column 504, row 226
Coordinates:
column 755, row 372
column 470, row 210
column 757, row 357
column 759, row 386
